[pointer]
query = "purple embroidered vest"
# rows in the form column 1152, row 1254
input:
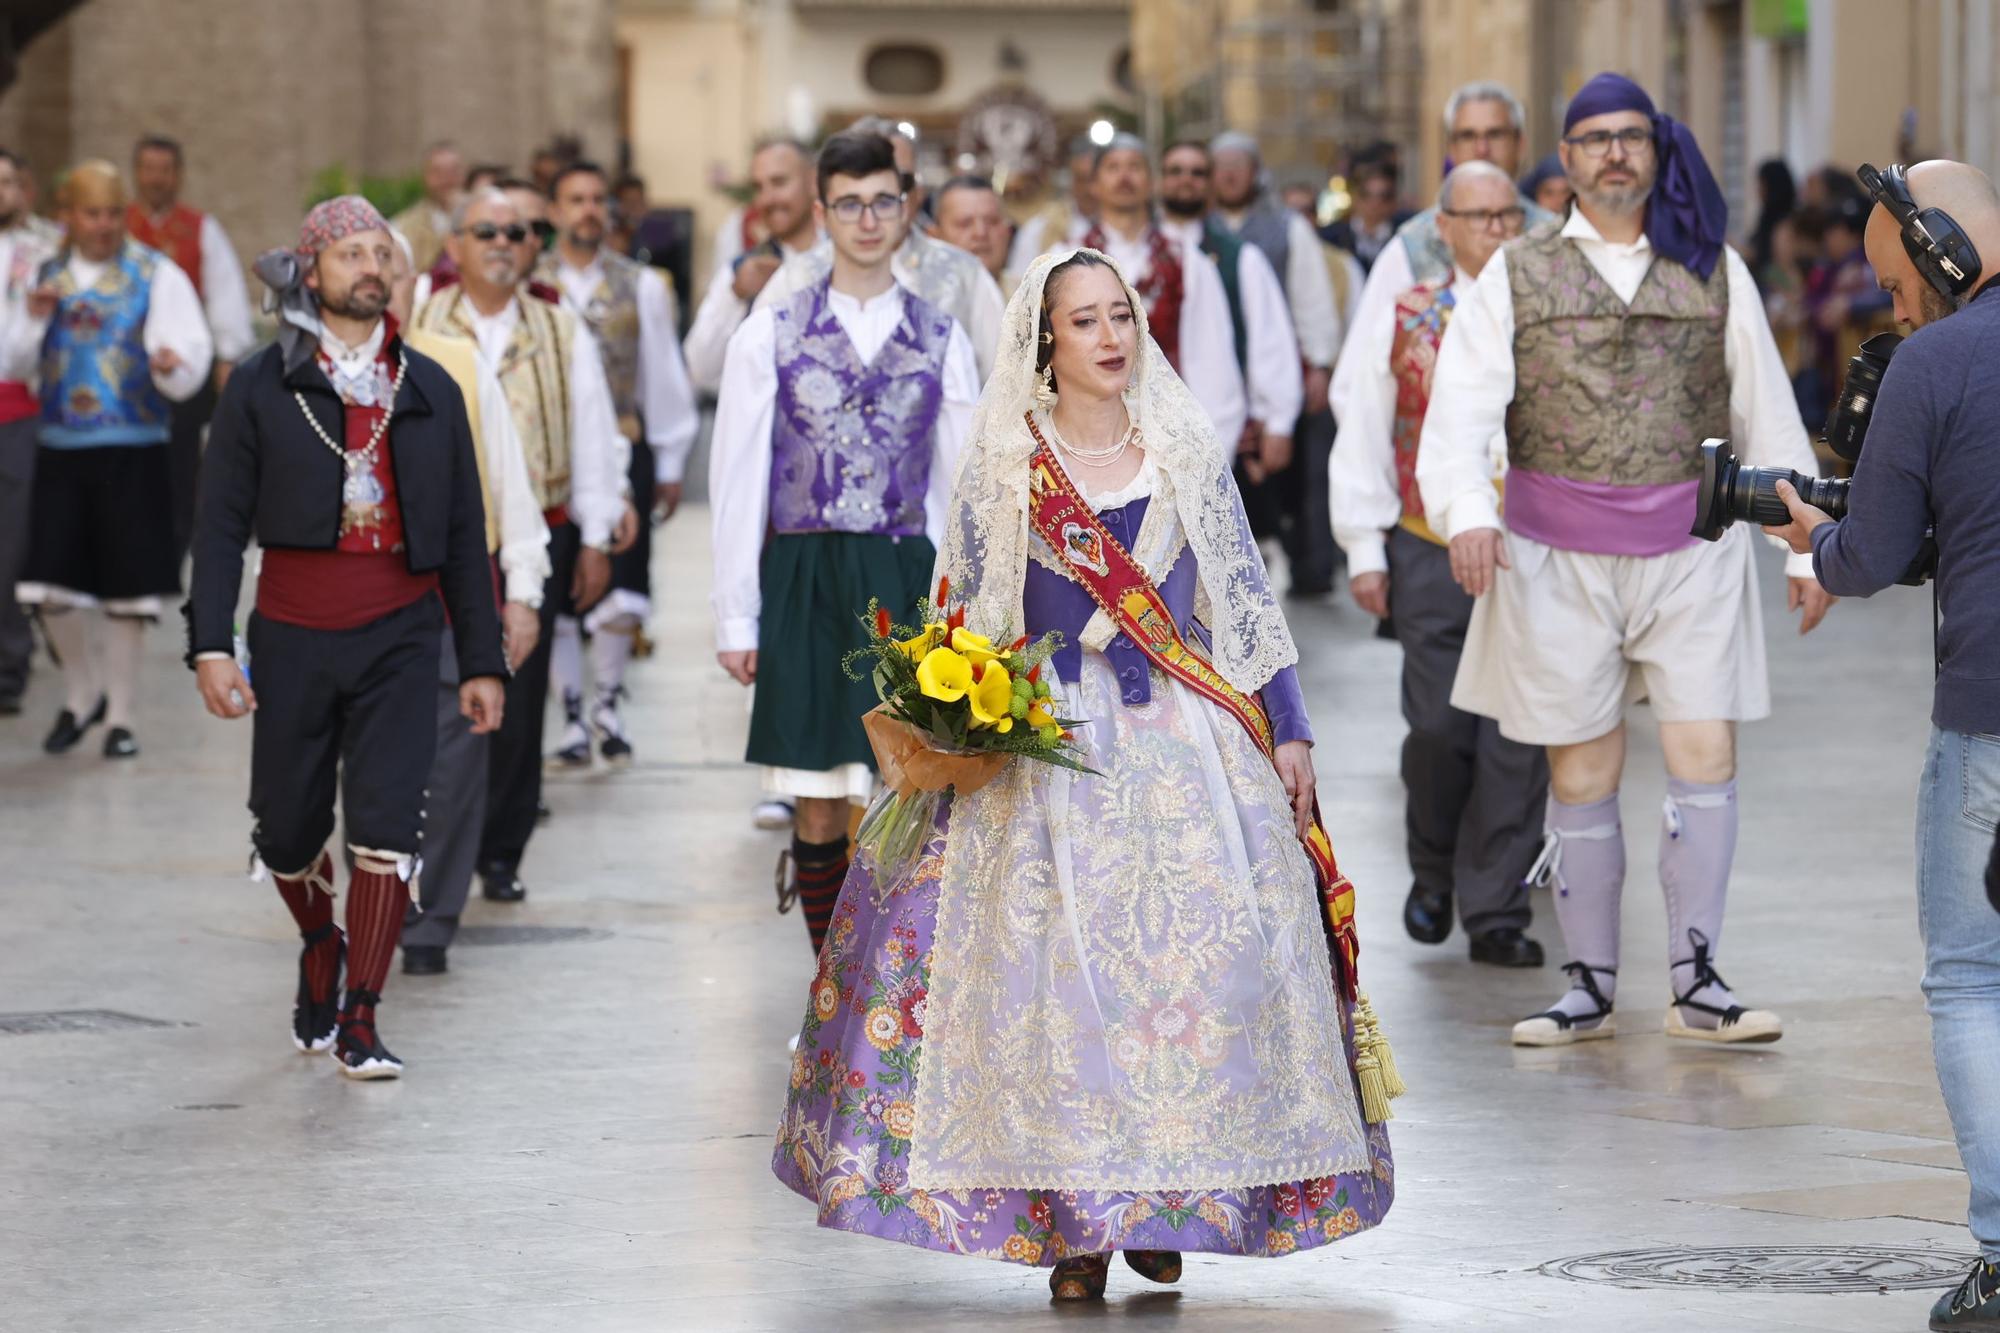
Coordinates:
column 851, row 444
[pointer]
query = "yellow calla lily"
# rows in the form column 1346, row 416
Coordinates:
column 944, row 675
column 993, row 698
column 974, row 648
column 1039, row 716
column 915, row 648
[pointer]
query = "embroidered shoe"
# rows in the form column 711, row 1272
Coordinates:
column 1155, row 1265
column 314, row 1022
column 1560, row 1026
column 1716, row 1017
column 1973, row 1304
column 359, row 1050
column 610, row 727
column 1080, row 1277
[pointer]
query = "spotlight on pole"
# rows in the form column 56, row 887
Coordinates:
column 1102, row 132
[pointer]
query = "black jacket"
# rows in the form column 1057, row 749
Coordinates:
column 266, row 472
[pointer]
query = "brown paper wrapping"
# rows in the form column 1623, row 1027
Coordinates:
column 911, row 764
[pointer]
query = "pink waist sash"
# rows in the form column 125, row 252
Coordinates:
column 1598, row 517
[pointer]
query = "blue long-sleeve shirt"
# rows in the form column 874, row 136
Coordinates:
column 1932, row 456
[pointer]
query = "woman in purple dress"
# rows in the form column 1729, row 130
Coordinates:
column 1099, row 1011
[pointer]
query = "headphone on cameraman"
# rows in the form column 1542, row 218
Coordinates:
column 1938, row 246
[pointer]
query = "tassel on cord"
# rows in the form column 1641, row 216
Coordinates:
column 1374, row 1065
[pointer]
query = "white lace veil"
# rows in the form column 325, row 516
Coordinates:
column 985, row 551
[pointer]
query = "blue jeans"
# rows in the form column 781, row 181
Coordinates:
column 1958, row 805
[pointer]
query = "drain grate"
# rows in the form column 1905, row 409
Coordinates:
column 1772, row 1268
column 529, row 934
column 76, row 1020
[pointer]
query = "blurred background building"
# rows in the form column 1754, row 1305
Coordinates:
column 279, row 102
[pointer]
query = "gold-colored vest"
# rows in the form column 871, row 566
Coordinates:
column 460, row 359
column 534, row 374
column 1609, row 392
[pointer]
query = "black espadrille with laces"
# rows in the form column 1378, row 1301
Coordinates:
column 359, row 1049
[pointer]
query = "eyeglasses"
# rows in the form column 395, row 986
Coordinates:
column 1490, row 138
column 1508, row 218
column 545, row 230
column 514, row 232
column 1598, row 142
column 885, row 207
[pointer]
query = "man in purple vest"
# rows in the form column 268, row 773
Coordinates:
column 837, row 430
column 1607, row 349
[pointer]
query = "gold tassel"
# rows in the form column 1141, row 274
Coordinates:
column 1374, row 1102
column 1392, row 1078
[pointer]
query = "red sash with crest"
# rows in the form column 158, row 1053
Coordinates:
column 1117, row 584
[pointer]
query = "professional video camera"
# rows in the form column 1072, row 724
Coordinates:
column 1731, row 492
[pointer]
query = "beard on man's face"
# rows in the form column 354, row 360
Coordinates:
column 500, row 268
column 1932, row 304
column 366, row 299
column 1192, row 206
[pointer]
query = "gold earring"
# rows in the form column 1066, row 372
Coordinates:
column 1045, row 388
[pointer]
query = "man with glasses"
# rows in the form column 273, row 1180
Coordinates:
column 938, row 271
column 553, row 378
column 1473, row 797
column 842, row 412
column 629, row 311
column 1606, row 351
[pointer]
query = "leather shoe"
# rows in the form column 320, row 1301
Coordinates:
column 120, row 743
column 1506, row 947
column 10, row 705
column 1427, row 915
column 499, row 884
column 424, row 960
column 68, row 730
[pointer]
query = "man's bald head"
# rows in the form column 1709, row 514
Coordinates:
column 1961, row 190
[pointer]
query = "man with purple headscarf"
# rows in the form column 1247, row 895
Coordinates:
column 1607, row 349
column 349, row 457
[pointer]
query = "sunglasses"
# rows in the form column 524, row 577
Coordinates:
column 513, row 232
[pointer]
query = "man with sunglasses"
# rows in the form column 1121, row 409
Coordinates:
column 1473, row 797
column 629, row 310
column 554, row 381
column 842, row 412
column 1606, row 351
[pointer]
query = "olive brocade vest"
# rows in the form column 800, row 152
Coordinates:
column 612, row 315
column 1607, row 392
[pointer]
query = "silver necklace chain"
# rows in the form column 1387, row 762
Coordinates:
column 356, row 459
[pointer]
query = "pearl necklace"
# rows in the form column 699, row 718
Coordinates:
column 363, row 458
column 1096, row 458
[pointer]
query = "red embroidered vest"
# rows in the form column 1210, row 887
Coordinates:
column 1421, row 316
column 178, row 237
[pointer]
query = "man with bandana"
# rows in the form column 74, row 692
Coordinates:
column 348, row 456
column 1607, row 349
column 121, row 336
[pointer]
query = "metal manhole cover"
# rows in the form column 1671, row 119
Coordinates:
column 76, row 1020
column 1773, row 1268
column 528, row 934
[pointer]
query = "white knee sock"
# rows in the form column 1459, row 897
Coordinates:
column 610, row 653
column 566, row 659
column 123, row 638
column 70, row 632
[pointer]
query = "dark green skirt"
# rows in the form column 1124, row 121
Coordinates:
column 816, row 586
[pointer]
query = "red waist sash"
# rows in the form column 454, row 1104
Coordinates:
column 1115, row 581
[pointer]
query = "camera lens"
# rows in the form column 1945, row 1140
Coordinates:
column 1847, row 421
column 1730, row 493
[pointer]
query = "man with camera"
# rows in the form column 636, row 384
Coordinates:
column 1932, row 464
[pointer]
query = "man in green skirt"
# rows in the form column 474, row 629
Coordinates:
column 837, row 432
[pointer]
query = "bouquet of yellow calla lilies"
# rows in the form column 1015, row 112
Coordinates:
column 956, row 707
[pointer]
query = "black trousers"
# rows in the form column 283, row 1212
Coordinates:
column 632, row 570
column 457, row 807
column 1475, row 801
column 347, row 711
column 189, row 420
column 17, row 488
column 1293, row 505
column 514, row 764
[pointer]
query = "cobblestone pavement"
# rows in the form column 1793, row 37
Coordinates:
column 581, row 1141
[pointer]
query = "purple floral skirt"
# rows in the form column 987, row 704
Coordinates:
column 845, row 1139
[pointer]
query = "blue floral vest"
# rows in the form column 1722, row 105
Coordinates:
column 97, row 388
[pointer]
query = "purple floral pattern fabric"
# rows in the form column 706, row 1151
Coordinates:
column 845, row 1139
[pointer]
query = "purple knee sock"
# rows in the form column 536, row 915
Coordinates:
column 1697, row 844
column 1584, row 860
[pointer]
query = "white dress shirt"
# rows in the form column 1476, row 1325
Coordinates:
column 1474, row 384
column 740, row 453
column 1273, row 387
column 174, row 321
column 22, row 254
column 1316, row 319
column 717, row 318
column 224, row 293
column 666, row 398
column 598, row 454
column 1366, row 500
column 1208, row 337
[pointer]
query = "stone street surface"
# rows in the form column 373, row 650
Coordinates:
column 581, row 1140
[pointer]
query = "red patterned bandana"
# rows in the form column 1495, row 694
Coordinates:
column 1161, row 290
column 337, row 219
